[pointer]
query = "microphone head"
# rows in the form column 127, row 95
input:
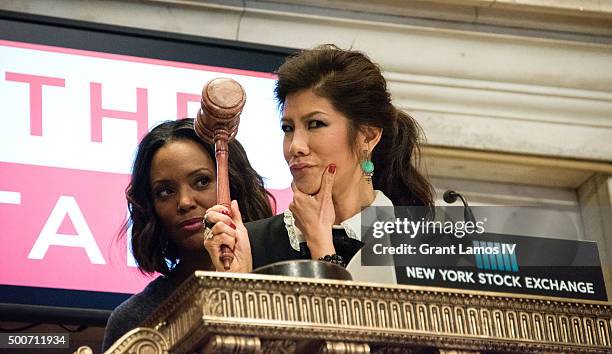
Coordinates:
column 450, row 196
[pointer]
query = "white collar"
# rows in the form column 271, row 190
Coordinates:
column 352, row 225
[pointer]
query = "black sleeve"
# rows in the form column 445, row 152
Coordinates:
column 123, row 319
column 270, row 242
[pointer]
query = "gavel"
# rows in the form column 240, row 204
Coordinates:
column 217, row 122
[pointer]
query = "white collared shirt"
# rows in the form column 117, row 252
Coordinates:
column 352, row 225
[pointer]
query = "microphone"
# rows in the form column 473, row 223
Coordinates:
column 450, row 196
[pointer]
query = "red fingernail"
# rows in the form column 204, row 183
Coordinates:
column 233, row 226
column 332, row 168
column 225, row 212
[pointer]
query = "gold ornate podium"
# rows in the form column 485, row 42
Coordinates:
column 249, row 313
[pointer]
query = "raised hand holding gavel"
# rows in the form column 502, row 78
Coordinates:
column 217, row 122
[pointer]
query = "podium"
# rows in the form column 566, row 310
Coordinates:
column 251, row 313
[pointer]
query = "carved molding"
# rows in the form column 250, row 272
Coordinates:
column 397, row 350
column 83, row 350
column 344, row 348
column 498, row 99
column 280, row 346
column 232, row 345
column 140, row 341
column 549, row 121
column 298, row 311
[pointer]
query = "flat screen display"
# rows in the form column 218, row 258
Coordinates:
column 76, row 99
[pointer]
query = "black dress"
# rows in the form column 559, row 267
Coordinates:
column 270, row 243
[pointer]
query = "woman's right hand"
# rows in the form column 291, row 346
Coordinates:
column 229, row 231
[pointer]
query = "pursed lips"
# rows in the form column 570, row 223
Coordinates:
column 192, row 224
column 300, row 166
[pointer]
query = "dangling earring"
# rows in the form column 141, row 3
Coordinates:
column 367, row 166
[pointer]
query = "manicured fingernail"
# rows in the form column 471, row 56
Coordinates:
column 233, row 226
column 225, row 212
column 332, row 168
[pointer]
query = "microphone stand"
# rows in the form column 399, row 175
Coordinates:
column 451, row 196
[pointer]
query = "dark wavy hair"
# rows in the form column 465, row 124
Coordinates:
column 355, row 87
column 152, row 249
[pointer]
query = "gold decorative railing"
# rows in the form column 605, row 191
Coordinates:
column 249, row 313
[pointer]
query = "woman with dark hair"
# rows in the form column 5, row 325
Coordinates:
column 173, row 183
column 347, row 147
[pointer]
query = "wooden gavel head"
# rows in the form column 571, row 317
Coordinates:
column 222, row 103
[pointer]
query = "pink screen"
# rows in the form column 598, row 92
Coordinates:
column 71, row 122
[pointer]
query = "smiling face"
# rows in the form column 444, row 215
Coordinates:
column 316, row 135
column 183, row 187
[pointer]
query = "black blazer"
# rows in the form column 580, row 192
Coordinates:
column 270, row 243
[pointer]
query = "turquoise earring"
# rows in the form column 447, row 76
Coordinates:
column 367, row 166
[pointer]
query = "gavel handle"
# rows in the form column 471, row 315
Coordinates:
column 227, row 255
column 223, row 191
